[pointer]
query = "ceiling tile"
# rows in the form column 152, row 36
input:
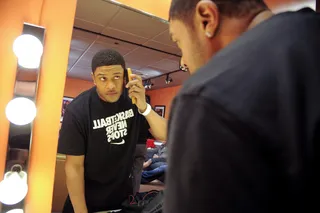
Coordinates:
column 164, row 38
column 96, row 11
column 76, row 33
column 124, row 35
column 145, row 56
column 163, row 47
column 83, row 24
column 84, row 64
column 166, row 64
column 80, row 72
column 80, row 43
column 150, row 72
column 133, row 65
column 140, row 73
column 108, row 43
column 74, row 55
column 175, row 58
column 88, row 57
column 138, row 24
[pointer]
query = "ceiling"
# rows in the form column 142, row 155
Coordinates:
column 143, row 40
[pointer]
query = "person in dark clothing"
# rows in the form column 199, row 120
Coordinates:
column 251, row 142
column 103, row 134
column 156, row 165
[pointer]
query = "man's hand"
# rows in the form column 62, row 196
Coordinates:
column 155, row 156
column 137, row 90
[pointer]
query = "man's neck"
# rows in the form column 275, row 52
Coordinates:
column 235, row 27
column 260, row 17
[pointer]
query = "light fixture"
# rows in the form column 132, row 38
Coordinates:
column 168, row 79
column 28, row 50
column 13, row 188
column 184, row 68
column 148, row 84
column 21, row 111
column 15, row 211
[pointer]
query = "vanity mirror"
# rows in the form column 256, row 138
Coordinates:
column 21, row 111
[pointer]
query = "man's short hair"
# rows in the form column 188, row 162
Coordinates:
column 107, row 57
column 184, row 9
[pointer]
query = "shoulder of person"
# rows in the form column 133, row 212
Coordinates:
column 80, row 103
column 250, row 61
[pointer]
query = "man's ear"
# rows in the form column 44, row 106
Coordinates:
column 92, row 76
column 207, row 17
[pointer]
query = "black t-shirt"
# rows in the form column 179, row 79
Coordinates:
column 107, row 134
column 251, row 142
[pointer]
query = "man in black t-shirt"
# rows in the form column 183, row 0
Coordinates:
column 248, row 119
column 100, row 133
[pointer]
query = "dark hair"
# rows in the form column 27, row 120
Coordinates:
column 106, row 58
column 184, row 9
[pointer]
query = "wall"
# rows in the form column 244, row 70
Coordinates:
column 74, row 87
column 163, row 97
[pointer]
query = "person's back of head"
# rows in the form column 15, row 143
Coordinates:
column 203, row 27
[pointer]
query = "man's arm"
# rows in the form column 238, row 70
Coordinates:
column 216, row 162
column 158, row 125
column 72, row 144
column 75, row 182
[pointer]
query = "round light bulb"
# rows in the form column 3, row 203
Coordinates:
column 15, row 211
column 21, row 111
column 13, row 188
column 29, row 62
column 29, row 50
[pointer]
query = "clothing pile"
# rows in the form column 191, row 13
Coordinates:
column 146, row 202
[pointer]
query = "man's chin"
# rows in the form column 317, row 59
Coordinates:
column 111, row 99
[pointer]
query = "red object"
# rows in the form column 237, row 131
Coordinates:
column 150, row 143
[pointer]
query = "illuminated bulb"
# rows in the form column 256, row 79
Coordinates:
column 29, row 62
column 28, row 50
column 13, row 188
column 21, row 111
column 15, row 211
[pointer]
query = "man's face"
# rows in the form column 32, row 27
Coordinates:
column 109, row 81
column 192, row 37
column 188, row 43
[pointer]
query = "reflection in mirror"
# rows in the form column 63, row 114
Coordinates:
column 21, row 111
column 145, row 44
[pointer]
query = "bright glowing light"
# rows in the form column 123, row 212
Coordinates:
column 15, row 211
column 13, row 188
column 21, row 111
column 28, row 50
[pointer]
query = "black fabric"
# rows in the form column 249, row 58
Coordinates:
column 251, row 142
column 145, row 202
column 140, row 153
column 107, row 134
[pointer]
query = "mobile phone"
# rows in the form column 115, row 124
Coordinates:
column 129, row 72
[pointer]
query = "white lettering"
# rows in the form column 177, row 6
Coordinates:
column 95, row 125
column 115, row 126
